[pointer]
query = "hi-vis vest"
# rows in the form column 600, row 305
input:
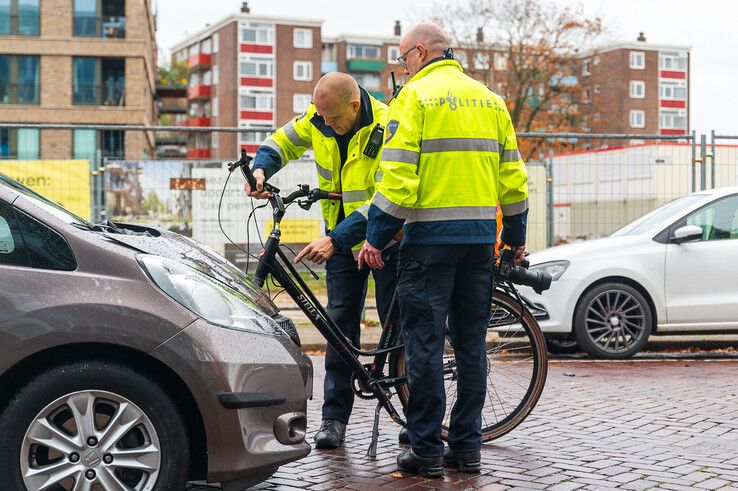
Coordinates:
column 450, row 157
column 356, row 180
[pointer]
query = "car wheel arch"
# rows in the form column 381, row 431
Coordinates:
column 628, row 281
column 28, row 368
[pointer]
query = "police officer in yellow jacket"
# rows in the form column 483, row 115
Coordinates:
column 450, row 156
column 339, row 127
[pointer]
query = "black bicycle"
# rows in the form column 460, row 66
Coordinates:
column 516, row 349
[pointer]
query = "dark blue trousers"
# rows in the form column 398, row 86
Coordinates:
column 346, row 293
column 439, row 282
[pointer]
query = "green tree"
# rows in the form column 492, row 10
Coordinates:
column 152, row 203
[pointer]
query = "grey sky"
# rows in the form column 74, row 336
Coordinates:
column 708, row 26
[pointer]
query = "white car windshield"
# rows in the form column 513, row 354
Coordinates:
column 660, row 214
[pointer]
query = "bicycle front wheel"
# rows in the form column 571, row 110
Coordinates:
column 516, row 369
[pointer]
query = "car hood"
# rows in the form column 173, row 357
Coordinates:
column 588, row 249
column 160, row 242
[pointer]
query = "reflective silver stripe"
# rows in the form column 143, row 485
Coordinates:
column 381, row 202
column 460, row 145
column 293, row 137
column 514, row 208
column 453, row 213
column 510, row 156
column 360, row 195
column 378, row 176
column 400, row 155
column 269, row 142
column 364, row 211
column 323, row 172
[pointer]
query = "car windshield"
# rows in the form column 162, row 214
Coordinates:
column 653, row 218
column 44, row 203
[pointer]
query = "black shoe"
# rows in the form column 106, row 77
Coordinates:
column 403, row 437
column 330, row 434
column 470, row 462
column 427, row 467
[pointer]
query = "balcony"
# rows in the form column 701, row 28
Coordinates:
column 196, row 121
column 110, row 94
column 198, row 92
column 364, row 65
column 198, row 61
column 19, row 93
column 170, row 138
column 199, row 153
column 108, row 27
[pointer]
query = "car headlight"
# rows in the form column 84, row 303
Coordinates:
column 207, row 297
column 554, row 268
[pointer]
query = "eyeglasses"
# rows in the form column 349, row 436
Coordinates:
column 402, row 59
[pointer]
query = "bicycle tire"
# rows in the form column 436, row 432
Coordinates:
column 524, row 338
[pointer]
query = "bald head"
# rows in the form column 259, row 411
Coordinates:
column 336, row 87
column 337, row 99
column 431, row 35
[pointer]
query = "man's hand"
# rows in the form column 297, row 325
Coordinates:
column 318, row 251
column 519, row 254
column 371, row 256
column 259, row 193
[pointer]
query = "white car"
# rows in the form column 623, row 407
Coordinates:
column 674, row 270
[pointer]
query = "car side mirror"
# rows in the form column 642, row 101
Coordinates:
column 687, row 233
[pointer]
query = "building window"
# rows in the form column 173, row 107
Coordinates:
column 215, row 75
column 673, row 90
column 585, row 68
column 302, row 38
column 672, row 60
column 253, row 136
column 637, row 60
column 637, row 118
column 300, row 102
column 673, row 119
column 19, row 79
column 86, row 143
column 587, row 95
column 369, row 81
column 99, row 19
column 257, row 33
column 500, row 61
column 215, row 139
column 216, row 40
column 259, row 101
column 637, row 89
column 481, row 61
column 22, row 144
column 597, row 89
column 303, row 70
column 205, row 46
column 257, row 67
column 393, row 52
column 98, row 81
column 363, row 51
column 215, row 106
column 19, row 17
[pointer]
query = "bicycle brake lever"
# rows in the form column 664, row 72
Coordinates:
column 305, row 205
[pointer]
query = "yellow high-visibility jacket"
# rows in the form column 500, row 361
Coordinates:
column 355, row 179
column 450, row 156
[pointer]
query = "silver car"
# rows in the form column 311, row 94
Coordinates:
column 132, row 358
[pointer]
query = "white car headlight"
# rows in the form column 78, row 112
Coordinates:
column 207, row 297
column 554, row 268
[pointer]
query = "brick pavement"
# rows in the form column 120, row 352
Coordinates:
column 599, row 425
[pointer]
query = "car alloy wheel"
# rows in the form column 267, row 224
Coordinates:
column 90, row 439
column 612, row 320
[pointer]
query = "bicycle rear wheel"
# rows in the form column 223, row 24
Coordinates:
column 516, row 369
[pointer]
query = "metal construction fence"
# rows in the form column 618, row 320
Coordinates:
column 582, row 186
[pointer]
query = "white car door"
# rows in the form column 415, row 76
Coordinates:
column 701, row 278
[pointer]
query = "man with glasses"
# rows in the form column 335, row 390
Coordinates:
column 449, row 158
column 338, row 126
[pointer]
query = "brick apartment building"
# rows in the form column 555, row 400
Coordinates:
column 637, row 88
column 76, row 61
column 248, row 71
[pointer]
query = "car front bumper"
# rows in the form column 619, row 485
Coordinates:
column 555, row 307
column 251, row 390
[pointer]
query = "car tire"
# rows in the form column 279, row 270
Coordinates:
column 612, row 321
column 49, row 422
column 561, row 346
